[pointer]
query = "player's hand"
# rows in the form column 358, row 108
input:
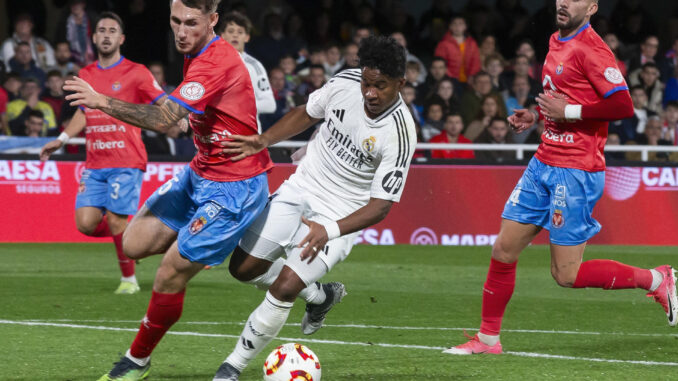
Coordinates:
column 49, row 148
column 83, row 94
column 521, row 120
column 243, row 145
column 315, row 240
column 183, row 125
column 552, row 105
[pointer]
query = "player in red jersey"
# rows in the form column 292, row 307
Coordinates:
column 116, row 157
column 583, row 90
column 198, row 217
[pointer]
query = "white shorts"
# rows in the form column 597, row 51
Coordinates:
column 278, row 230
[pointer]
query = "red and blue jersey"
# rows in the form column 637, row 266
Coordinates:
column 112, row 143
column 218, row 92
column 583, row 69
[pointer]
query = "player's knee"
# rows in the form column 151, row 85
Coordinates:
column 86, row 226
column 238, row 272
column 502, row 253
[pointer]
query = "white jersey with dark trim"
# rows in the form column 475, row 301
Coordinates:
column 263, row 93
column 354, row 158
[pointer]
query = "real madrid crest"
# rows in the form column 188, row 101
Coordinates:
column 368, row 144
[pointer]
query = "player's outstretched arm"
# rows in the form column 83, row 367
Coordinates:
column 318, row 235
column 293, row 123
column 521, row 120
column 73, row 128
column 150, row 117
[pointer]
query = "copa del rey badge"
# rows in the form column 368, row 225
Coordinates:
column 613, row 75
column 192, row 91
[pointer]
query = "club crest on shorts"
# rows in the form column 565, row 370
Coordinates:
column 81, row 187
column 368, row 144
column 557, row 221
column 197, row 225
column 559, row 69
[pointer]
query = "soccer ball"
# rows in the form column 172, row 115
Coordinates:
column 292, row 362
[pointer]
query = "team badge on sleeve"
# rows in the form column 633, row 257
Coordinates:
column 192, row 91
column 613, row 75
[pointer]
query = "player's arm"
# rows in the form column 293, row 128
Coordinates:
column 149, row 117
column 293, row 123
column 615, row 107
column 318, row 236
column 74, row 127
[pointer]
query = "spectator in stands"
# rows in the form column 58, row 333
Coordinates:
column 472, row 98
column 283, row 99
column 34, row 124
column 351, row 60
column 12, row 85
column 492, row 106
column 19, row 109
column 631, row 21
column 314, row 81
column 445, row 95
column 158, row 70
column 613, row 43
column 400, row 39
column 53, row 94
column 628, row 129
column 671, row 89
column 652, row 137
column 23, row 63
column 648, row 52
column 521, row 68
column 526, row 48
column 38, row 48
column 409, row 94
column 437, row 72
column 460, row 51
column 648, row 78
column 314, row 56
column 613, row 140
column 273, row 45
column 671, row 123
column 359, row 33
column 333, row 60
column 494, row 66
column 520, row 95
column 488, row 47
column 433, row 123
column 64, row 59
column 288, row 66
column 452, row 134
column 496, row 133
column 77, row 27
column 4, row 99
column 412, row 71
column 433, row 24
column 669, row 62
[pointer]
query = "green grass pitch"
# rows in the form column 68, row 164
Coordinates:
column 59, row 319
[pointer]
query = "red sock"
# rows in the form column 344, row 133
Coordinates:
column 126, row 264
column 163, row 311
column 501, row 280
column 102, row 229
column 611, row 275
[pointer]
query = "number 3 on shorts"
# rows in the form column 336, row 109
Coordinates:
column 116, row 191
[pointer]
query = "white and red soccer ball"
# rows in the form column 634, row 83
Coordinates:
column 292, row 362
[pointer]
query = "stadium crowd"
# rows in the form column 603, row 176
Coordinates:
column 466, row 72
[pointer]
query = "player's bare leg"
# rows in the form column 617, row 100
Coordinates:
column 146, row 235
column 565, row 262
column 513, row 238
column 164, row 310
column 88, row 219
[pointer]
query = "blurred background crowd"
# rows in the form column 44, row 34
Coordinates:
column 470, row 62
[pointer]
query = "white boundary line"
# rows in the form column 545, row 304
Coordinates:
column 367, row 326
column 338, row 342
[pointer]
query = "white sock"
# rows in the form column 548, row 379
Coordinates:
column 265, row 280
column 261, row 328
column 131, row 279
column 657, row 279
column 137, row 360
column 488, row 339
column 313, row 294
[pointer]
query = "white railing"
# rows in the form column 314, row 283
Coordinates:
column 519, row 149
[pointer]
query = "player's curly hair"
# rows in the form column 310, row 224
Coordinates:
column 383, row 53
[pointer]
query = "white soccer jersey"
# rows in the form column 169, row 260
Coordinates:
column 354, row 158
column 262, row 88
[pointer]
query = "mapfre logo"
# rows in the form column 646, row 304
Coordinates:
column 622, row 183
column 427, row 236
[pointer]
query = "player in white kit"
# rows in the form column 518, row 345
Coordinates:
column 354, row 170
column 235, row 29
